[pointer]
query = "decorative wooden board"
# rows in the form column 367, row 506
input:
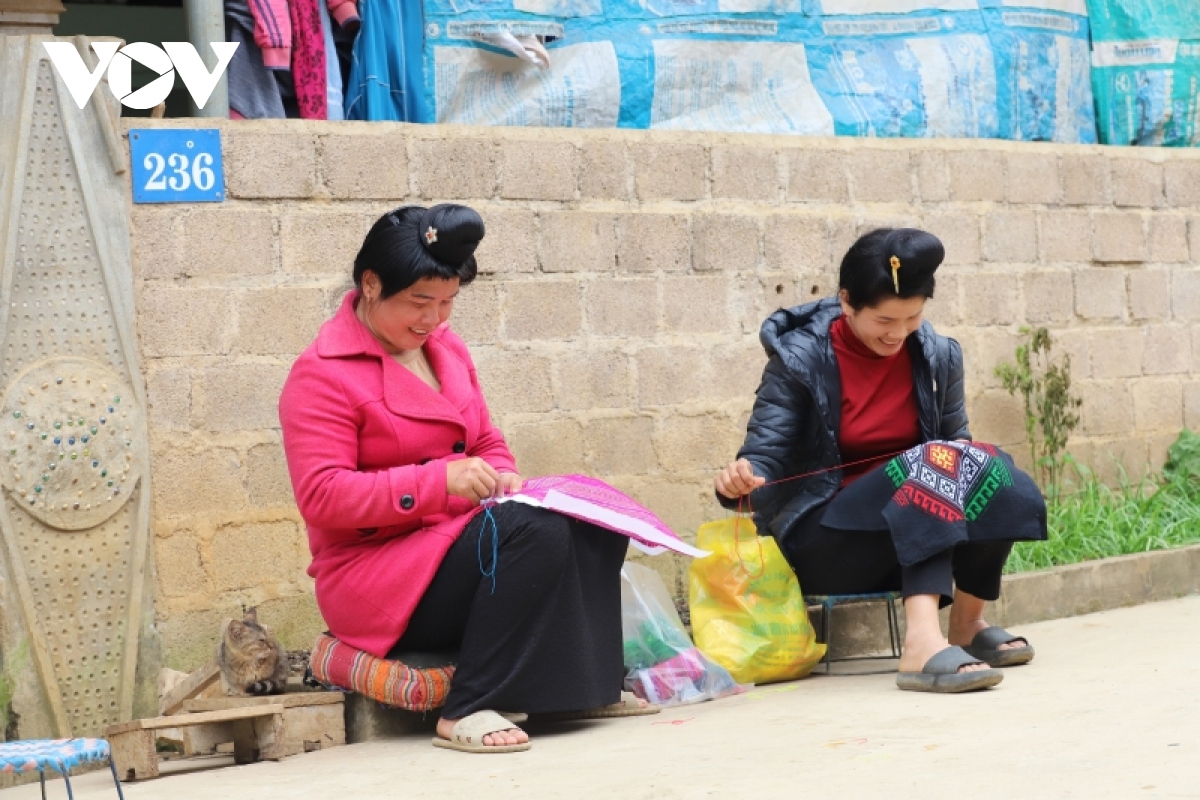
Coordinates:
column 74, row 451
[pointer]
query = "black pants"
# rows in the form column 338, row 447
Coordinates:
column 832, row 561
column 549, row 637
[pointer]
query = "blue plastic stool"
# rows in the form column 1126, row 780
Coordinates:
column 56, row 754
column 827, row 603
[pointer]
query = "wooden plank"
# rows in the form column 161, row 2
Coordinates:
column 189, row 687
column 305, row 728
column 309, row 728
column 289, row 700
column 183, row 720
column 245, row 742
column 256, row 739
column 134, row 755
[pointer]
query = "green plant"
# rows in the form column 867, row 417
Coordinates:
column 1183, row 462
column 6, row 691
column 1050, row 408
column 9, row 667
column 1092, row 520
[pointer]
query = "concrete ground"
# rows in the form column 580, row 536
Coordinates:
column 1110, row 708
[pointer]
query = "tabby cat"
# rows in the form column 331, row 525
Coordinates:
column 251, row 659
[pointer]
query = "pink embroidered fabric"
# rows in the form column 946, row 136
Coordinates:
column 595, row 501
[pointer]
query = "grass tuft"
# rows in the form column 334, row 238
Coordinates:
column 1089, row 520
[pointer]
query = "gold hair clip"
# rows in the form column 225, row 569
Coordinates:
column 896, row 273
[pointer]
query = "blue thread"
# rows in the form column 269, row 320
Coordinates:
column 488, row 518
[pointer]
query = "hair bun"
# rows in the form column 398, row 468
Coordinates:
column 451, row 233
column 920, row 252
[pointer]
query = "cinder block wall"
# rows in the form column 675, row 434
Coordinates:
column 624, row 278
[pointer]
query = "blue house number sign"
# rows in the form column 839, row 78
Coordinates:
column 177, row 165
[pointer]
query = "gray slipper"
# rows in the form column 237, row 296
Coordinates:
column 986, row 647
column 940, row 674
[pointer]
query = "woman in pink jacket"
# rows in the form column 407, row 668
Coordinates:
column 391, row 451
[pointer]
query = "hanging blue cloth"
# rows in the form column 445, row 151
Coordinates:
column 335, row 102
column 386, row 73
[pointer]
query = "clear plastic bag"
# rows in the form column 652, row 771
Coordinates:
column 661, row 664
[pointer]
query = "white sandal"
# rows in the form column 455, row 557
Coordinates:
column 467, row 734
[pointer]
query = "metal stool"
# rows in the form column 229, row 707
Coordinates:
column 57, row 754
column 827, row 603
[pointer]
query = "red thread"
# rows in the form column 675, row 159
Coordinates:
column 737, row 519
column 839, row 466
column 737, row 542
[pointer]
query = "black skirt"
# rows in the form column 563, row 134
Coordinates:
column 532, row 606
column 938, row 495
column 940, row 516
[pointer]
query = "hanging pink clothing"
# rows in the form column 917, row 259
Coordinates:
column 308, row 59
column 274, row 24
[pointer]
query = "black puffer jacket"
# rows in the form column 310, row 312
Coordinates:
column 797, row 414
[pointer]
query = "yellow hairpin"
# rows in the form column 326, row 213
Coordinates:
column 896, row 273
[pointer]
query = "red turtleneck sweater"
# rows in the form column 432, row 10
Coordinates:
column 879, row 409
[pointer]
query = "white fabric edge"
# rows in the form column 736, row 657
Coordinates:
column 572, row 505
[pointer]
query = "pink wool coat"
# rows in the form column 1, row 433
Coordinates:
column 367, row 444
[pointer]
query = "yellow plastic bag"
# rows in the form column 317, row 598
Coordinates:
column 747, row 611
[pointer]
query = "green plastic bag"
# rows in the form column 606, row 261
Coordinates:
column 748, row 614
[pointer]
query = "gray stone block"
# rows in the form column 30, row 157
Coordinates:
column 368, row 721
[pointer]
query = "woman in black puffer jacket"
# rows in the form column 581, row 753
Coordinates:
column 859, row 461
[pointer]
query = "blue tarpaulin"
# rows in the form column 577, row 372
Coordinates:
column 1146, row 71
column 1014, row 69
